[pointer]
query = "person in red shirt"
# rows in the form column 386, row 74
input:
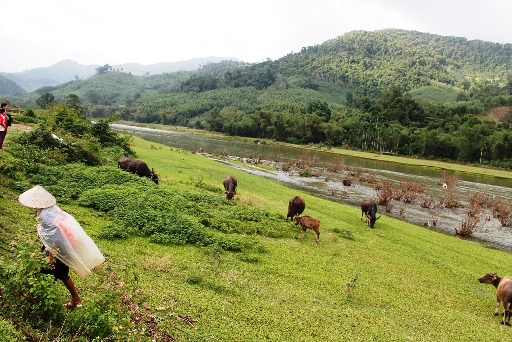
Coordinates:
column 3, row 127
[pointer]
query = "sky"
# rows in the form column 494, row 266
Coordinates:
column 40, row 33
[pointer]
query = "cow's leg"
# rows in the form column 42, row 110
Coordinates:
column 505, row 314
column 496, row 312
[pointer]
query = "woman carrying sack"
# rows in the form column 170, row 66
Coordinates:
column 66, row 243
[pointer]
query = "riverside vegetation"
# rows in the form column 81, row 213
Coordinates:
column 185, row 264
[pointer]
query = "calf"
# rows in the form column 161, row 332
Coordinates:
column 503, row 287
column 230, row 185
column 309, row 222
column 296, row 206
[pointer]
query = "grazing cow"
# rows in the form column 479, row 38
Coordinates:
column 503, row 287
column 137, row 167
column 309, row 222
column 230, row 185
column 296, row 206
column 369, row 208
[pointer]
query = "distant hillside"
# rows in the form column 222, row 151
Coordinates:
column 55, row 74
column 69, row 70
column 9, row 87
column 119, row 86
column 391, row 90
column 163, row 67
column 360, row 63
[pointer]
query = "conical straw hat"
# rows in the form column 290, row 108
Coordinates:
column 37, row 197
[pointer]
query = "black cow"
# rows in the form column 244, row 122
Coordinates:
column 137, row 167
column 296, row 206
column 230, row 185
column 369, row 208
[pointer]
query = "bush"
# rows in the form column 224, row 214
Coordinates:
column 8, row 332
column 167, row 217
column 112, row 231
column 26, row 292
column 72, row 180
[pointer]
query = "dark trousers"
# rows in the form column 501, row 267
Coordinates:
column 2, row 137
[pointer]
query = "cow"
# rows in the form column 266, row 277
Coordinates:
column 309, row 222
column 137, row 167
column 230, row 184
column 296, row 206
column 369, row 209
column 503, row 287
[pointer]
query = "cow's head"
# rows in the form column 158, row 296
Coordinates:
column 297, row 219
column 153, row 177
column 372, row 218
column 489, row 278
column 230, row 194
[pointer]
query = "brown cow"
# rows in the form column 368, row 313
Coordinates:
column 137, row 167
column 230, row 185
column 369, row 208
column 309, row 222
column 296, row 206
column 503, row 287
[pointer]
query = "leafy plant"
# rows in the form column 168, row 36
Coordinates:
column 26, row 292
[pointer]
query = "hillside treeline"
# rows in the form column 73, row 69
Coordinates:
column 403, row 92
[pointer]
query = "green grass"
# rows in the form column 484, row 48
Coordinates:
column 411, row 283
column 396, row 282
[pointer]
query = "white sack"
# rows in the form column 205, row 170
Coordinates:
column 66, row 240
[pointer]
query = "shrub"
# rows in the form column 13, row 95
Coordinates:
column 9, row 332
column 72, row 180
column 26, row 292
column 112, row 231
column 469, row 225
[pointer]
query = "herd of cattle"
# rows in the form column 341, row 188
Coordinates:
column 296, row 207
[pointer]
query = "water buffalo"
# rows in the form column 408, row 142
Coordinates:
column 503, row 287
column 296, row 206
column 369, row 208
column 137, row 167
column 230, row 184
column 309, row 222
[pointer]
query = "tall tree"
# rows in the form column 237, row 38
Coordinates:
column 46, row 100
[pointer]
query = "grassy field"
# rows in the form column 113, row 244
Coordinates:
column 396, row 282
column 393, row 283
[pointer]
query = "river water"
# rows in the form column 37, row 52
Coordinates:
column 364, row 174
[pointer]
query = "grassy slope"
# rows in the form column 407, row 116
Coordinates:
column 412, row 283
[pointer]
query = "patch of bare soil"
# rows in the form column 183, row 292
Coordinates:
column 498, row 113
column 20, row 127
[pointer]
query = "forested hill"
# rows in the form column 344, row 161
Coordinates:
column 367, row 62
column 9, row 87
column 404, row 92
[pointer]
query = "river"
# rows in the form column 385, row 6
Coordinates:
column 363, row 173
